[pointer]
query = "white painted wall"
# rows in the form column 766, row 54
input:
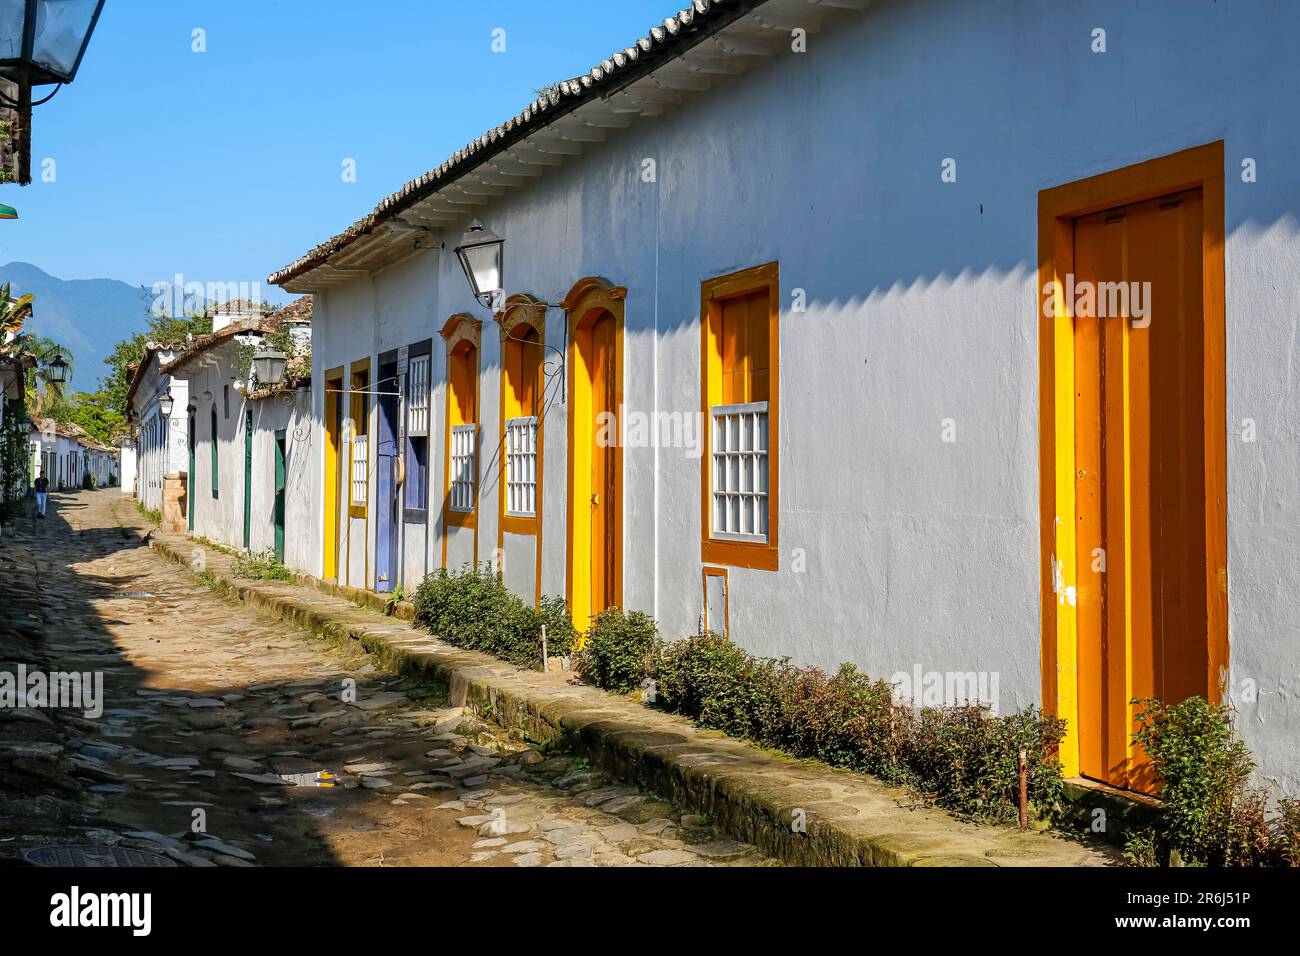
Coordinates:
column 128, row 470
column 921, row 306
column 160, row 441
column 221, row 519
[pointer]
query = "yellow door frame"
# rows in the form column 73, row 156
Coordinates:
column 330, row 537
column 590, row 298
column 1058, row 207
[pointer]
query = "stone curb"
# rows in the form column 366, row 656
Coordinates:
column 801, row 812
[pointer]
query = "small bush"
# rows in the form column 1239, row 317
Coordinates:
column 1208, row 814
column 88, row 481
column 473, row 609
column 261, row 568
column 620, row 650
column 969, row 759
column 963, row 758
column 1289, row 832
column 560, row 632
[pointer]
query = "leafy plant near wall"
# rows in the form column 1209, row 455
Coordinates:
column 1209, row 815
column 298, row 353
column 14, row 462
column 963, row 758
column 152, row 515
column 620, row 650
column 261, row 567
column 474, row 609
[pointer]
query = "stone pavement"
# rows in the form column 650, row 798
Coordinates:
column 800, row 812
column 230, row 738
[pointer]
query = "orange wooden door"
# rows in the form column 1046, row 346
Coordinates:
column 604, row 477
column 1140, row 480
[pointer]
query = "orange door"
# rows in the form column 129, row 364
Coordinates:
column 1140, row 480
column 604, row 476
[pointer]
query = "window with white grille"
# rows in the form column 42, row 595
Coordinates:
column 360, row 469
column 417, row 396
column 740, row 492
column 521, row 467
column 463, row 469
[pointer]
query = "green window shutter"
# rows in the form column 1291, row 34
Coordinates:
column 215, row 481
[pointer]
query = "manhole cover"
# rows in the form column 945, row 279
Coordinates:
column 94, row 856
column 136, row 594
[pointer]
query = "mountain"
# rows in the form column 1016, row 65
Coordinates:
column 89, row 316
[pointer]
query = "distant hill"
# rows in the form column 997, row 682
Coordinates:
column 89, row 316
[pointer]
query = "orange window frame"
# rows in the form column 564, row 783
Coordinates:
column 521, row 397
column 462, row 335
column 1199, row 167
column 765, row 555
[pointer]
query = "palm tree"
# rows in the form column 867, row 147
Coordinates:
column 45, row 396
column 13, row 312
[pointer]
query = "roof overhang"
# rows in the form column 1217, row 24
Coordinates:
column 682, row 56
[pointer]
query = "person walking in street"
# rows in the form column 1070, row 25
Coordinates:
column 42, row 485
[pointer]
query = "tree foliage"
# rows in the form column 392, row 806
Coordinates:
column 128, row 353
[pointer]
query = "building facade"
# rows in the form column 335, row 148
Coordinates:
column 161, row 455
column 817, row 336
column 249, row 477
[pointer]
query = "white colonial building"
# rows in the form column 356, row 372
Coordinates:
column 914, row 334
column 152, row 399
column 250, row 474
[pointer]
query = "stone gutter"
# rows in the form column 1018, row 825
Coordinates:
column 802, row 812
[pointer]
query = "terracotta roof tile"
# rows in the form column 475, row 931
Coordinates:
column 661, row 43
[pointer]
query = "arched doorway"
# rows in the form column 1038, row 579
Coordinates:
column 595, row 532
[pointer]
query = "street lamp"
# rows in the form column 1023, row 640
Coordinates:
column 268, row 366
column 56, row 370
column 166, row 404
column 41, row 42
column 482, row 253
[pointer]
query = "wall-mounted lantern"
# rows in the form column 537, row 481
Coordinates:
column 482, row 256
column 268, row 366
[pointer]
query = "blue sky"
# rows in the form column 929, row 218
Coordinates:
column 226, row 165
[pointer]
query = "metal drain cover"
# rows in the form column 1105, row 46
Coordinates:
column 97, row 856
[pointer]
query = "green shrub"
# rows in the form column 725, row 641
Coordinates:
column 473, row 609
column 560, row 632
column 620, row 650
column 1208, row 814
column 963, row 758
column 88, row 481
column 1289, row 831
column 969, row 760
column 262, row 567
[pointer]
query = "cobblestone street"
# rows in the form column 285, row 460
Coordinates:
column 230, row 739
